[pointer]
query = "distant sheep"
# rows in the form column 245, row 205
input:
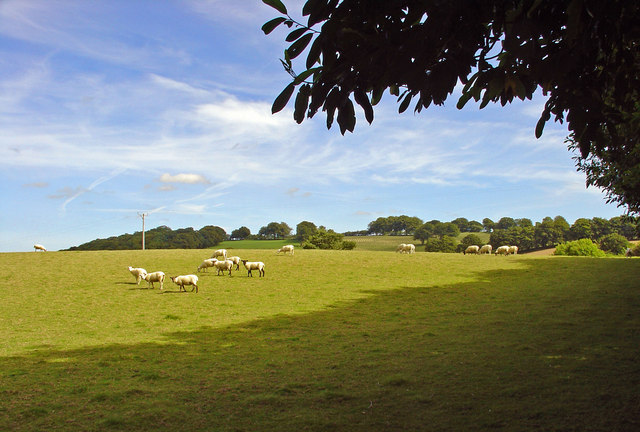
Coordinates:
column 502, row 250
column 223, row 265
column 138, row 273
column 257, row 265
column 486, row 249
column 183, row 280
column 39, row 247
column 285, row 249
column 206, row 264
column 513, row 250
column 155, row 277
column 220, row 252
column 236, row 261
column 473, row 249
column 406, row 248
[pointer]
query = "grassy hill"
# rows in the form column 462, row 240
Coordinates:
column 327, row 340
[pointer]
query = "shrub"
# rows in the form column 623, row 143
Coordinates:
column 614, row 243
column 582, row 247
column 348, row 245
column 444, row 244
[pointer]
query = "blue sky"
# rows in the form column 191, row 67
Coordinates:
column 113, row 108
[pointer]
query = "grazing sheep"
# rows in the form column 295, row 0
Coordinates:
column 473, row 249
column 206, row 264
column 257, row 265
column 285, row 249
column 406, row 248
column 138, row 273
column 486, row 249
column 155, row 277
column 223, row 265
column 235, row 260
column 181, row 281
column 220, row 252
column 502, row 250
column 513, row 250
column 38, row 247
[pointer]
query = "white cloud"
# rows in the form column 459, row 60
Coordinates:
column 183, row 178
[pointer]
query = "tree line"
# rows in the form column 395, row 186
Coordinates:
column 439, row 236
column 434, row 235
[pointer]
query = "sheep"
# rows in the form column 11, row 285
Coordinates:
column 138, row 273
column 502, row 250
column 183, row 280
column 473, row 249
column 155, row 277
column 38, row 247
column 285, row 249
column 406, row 248
column 513, row 250
column 206, row 264
column 235, row 260
column 257, row 265
column 223, row 265
column 486, row 249
column 220, row 252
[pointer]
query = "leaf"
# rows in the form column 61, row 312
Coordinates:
column 295, row 34
column 405, row 103
column 270, row 25
column 283, row 98
column 298, row 46
column 377, row 95
column 277, row 5
column 363, row 101
column 304, row 75
column 314, row 53
column 463, row 100
column 541, row 122
column 347, row 117
column 302, row 102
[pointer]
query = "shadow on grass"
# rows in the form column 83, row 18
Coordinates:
column 552, row 346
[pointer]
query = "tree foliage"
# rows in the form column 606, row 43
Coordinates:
column 584, row 55
column 161, row 237
column 275, row 230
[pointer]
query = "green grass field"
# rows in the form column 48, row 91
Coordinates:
column 328, row 340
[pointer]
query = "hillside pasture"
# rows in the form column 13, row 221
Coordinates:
column 327, row 340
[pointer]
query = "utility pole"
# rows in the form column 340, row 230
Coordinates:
column 143, row 215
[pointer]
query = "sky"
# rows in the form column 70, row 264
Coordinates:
column 113, row 109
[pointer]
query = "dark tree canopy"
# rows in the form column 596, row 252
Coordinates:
column 584, row 55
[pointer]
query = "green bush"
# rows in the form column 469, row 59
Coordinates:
column 445, row 244
column 348, row 245
column 582, row 247
column 614, row 243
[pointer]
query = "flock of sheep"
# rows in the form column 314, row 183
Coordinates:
column 225, row 264
column 486, row 249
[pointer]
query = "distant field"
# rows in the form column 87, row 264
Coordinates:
column 365, row 243
column 327, row 340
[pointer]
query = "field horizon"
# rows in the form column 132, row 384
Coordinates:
column 327, row 340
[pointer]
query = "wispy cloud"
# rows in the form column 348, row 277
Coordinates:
column 183, row 178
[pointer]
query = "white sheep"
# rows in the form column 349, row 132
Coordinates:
column 513, row 250
column 220, row 252
column 155, row 277
column 206, row 264
column 285, row 249
column 236, row 261
column 183, row 280
column 473, row 249
column 502, row 250
column 38, row 247
column 138, row 273
column 256, row 265
column 223, row 265
column 486, row 249
column 406, row 248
